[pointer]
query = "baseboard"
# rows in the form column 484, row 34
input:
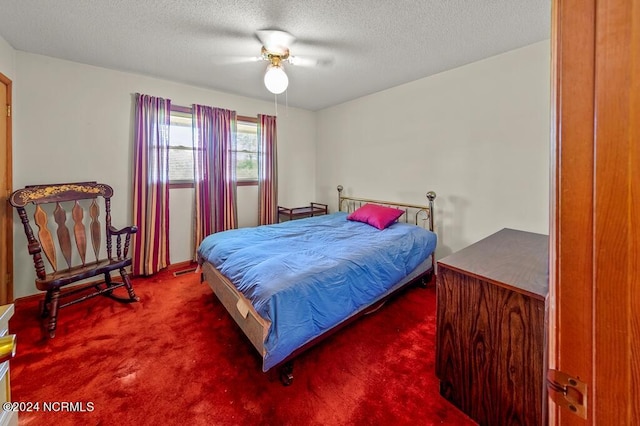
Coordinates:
column 179, row 268
column 40, row 295
column 182, row 265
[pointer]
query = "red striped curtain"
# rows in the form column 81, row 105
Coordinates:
column 151, row 184
column 267, row 170
column 214, row 143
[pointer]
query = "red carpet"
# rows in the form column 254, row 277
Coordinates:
column 178, row 358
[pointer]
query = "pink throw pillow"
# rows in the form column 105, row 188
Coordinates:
column 379, row 216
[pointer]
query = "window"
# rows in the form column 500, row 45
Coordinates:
column 247, row 150
column 181, row 149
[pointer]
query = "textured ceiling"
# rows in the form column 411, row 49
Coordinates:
column 373, row 44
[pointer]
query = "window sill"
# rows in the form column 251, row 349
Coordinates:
column 182, row 185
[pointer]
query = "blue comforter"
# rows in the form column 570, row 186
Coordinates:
column 308, row 275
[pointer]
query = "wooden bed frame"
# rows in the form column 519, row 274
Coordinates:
column 256, row 328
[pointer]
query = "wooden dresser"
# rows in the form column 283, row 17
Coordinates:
column 491, row 328
column 6, row 417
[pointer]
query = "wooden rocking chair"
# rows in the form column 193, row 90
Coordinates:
column 77, row 197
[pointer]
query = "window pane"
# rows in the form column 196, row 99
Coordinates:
column 247, row 165
column 180, row 164
column 180, row 136
column 247, row 151
column 180, row 151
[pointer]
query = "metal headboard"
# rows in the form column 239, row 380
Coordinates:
column 421, row 213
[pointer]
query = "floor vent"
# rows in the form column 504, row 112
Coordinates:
column 184, row 271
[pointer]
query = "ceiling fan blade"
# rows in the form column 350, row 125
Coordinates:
column 303, row 61
column 275, row 41
column 233, row 60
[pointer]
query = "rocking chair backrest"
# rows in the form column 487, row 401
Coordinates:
column 69, row 195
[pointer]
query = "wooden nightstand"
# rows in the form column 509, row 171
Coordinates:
column 313, row 209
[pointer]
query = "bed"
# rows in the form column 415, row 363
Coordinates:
column 292, row 284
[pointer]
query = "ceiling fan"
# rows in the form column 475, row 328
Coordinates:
column 275, row 50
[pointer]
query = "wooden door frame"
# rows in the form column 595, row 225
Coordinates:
column 6, row 281
column 594, row 297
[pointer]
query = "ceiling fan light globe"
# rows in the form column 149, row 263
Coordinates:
column 275, row 79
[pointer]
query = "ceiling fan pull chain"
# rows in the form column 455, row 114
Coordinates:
column 275, row 101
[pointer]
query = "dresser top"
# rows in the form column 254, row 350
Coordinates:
column 517, row 260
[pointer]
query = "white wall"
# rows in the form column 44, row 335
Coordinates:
column 7, row 59
column 73, row 122
column 478, row 135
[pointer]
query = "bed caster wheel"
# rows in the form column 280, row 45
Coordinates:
column 286, row 379
column 286, row 374
column 427, row 279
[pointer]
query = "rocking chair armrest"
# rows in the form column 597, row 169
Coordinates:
column 128, row 230
column 121, row 252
